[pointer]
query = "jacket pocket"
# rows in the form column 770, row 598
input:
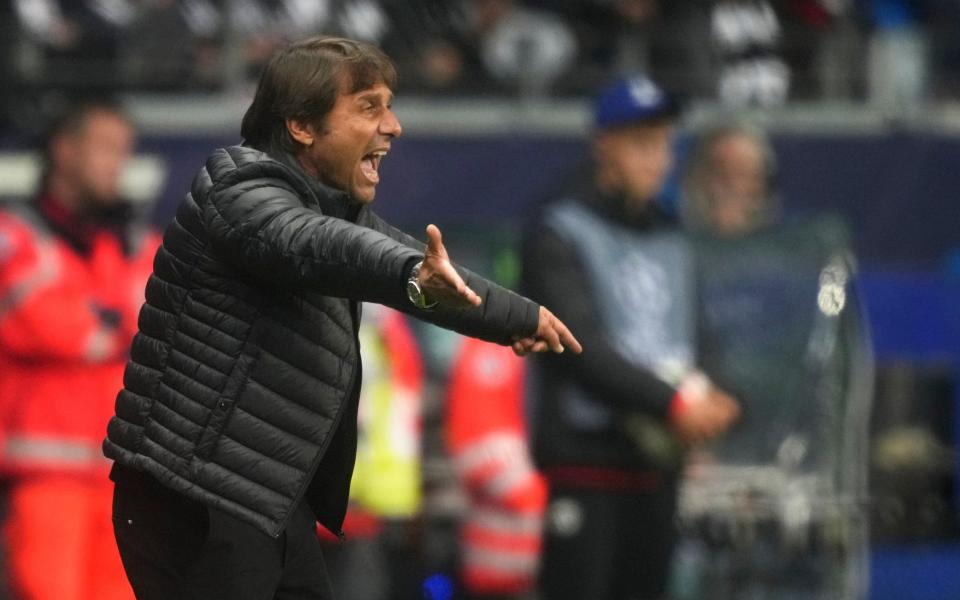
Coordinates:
column 220, row 413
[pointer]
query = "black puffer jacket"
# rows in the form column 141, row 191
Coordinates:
column 242, row 385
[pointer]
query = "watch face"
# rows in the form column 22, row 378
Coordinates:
column 414, row 294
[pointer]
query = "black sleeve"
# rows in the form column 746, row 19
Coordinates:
column 263, row 228
column 502, row 314
column 554, row 275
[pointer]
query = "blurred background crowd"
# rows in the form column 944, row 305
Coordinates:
column 899, row 53
column 842, row 115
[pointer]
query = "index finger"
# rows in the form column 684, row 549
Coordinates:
column 567, row 339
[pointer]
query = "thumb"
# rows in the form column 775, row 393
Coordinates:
column 434, row 240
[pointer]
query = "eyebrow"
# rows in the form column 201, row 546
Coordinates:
column 375, row 98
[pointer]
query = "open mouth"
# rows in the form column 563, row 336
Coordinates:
column 370, row 165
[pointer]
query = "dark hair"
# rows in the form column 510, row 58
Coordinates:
column 72, row 116
column 301, row 82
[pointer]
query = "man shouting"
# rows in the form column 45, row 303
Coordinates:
column 236, row 428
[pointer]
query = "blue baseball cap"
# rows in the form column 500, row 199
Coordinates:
column 631, row 100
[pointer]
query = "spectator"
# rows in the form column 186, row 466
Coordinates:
column 728, row 184
column 746, row 35
column 440, row 43
column 605, row 422
column 832, row 41
column 159, row 47
column 897, row 57
column 73, row 265
column 76, row 42
column 758, row 282
column 483, row 45
column 521, row 46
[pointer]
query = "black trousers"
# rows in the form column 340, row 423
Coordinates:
column 176, row 548
column 608, row 546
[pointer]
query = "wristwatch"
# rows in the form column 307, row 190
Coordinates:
column 416, row 295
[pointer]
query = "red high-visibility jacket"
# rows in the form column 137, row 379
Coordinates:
column 67, row 315
column 487, row 439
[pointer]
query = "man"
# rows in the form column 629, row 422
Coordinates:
column 236, row 429
column 604, row 422
column 73, row 264
column 728, row 185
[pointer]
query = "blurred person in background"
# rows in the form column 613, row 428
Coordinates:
column 378, row 558
column 832, row 27
column 74, row 42
column 746, row 37
column 727, row 187
column 522, row 47
column 898, row 56
column 236, row 429
column 73, row 264
column 480, row 46
column 605, row 423
column 487, row 439
column 768, row 292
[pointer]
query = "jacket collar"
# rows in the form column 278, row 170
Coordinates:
column 80, row 230
column 331, row 201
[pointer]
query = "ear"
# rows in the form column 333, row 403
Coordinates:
column 303, row 133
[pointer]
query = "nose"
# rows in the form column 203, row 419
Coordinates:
column 390, row 125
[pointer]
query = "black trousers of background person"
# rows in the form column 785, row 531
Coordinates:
column 174, row 548
column 601, row 545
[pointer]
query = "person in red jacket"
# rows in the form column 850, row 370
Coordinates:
column 73, row 267
column 487, row 439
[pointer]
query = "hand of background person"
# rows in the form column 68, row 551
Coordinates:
column 707, row 416
column 551, row 335
column 438, row 280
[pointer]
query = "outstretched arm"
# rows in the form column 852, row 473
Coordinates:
column 474, row 306
column 443, row 284
column 263, row 228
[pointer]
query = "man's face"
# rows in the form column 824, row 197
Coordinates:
column 634, row 160
column 356, row 135
column 736, row 182
column 92, row 159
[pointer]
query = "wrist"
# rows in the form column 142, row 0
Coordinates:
column 415, row 292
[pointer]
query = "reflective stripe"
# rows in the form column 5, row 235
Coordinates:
column 506, row 481
column 28, row 449
column 508, row 523
column 499, row 447
column 499, row 460
column 46, row 270
column 517, row 564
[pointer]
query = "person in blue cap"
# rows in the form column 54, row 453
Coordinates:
column 609, row 426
